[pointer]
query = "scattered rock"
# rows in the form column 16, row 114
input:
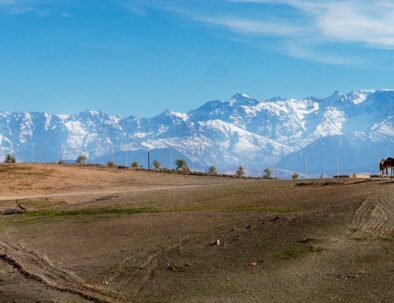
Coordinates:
column 348, row 277
column 249, row 227
column 12, row 211
column 279, row 219
column 306, row 240
column 253, row 263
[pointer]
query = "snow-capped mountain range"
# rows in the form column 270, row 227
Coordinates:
column 350, row 130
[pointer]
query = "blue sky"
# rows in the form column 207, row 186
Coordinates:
column 143, row 56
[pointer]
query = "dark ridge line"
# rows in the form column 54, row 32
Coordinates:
column 14, row 264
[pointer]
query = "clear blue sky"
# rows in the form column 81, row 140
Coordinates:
column 143, row 56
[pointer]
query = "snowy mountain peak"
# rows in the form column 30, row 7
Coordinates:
column 224, row 133
column 242, row 99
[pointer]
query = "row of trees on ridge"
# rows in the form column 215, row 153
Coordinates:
column 181, row 166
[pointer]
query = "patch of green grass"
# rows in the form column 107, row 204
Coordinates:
column 296, row 251
column 385, row 238
column 2, row 224
column 276, row 210
column 287, row 254
column 47, row 213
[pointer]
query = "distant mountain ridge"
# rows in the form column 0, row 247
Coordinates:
column 354, row 129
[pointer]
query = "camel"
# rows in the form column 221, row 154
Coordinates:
column 389, row 163
column 382, row 167
column 385, row 165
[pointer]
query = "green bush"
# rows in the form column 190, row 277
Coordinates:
column 135, row 164
column 240, row 171
column 156, row 164
column 295, row 176
column 10, row 159
column 181, row 165
column 81, row 159
column 267, row 173
column 212, row 170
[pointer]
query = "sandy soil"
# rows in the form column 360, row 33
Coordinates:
column 195, row 239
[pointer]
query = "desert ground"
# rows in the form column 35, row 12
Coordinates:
column 89, row 234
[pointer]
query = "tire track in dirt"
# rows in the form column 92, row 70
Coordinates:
column 38, row 268
column 374, row 217
column 135, row 272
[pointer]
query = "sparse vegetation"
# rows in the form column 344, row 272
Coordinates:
column 240, row 171
column 156, row 164
column 61, row 162
column 253, row 226
column 181, row 165
column 82, row 158
column 295, row 176
column 135, row 164
column 110, row 164
column 10, row 159
column 212, row 170
column 267, row 173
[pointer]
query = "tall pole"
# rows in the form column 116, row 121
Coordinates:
column 32, row 153
column 192, row 162
column 306, row 167
column 273, row 171
column 148, row 160
column 170, row 158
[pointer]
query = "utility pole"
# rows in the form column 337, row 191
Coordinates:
column 273, row 171
column 170, row 158
column 192, row 162
column 32, row 153
column 306, row 167
column 148, row 160
column 113, row 154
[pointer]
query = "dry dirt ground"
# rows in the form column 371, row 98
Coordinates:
column 71, row 234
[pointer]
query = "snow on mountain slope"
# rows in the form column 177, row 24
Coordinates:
column 240, row 131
